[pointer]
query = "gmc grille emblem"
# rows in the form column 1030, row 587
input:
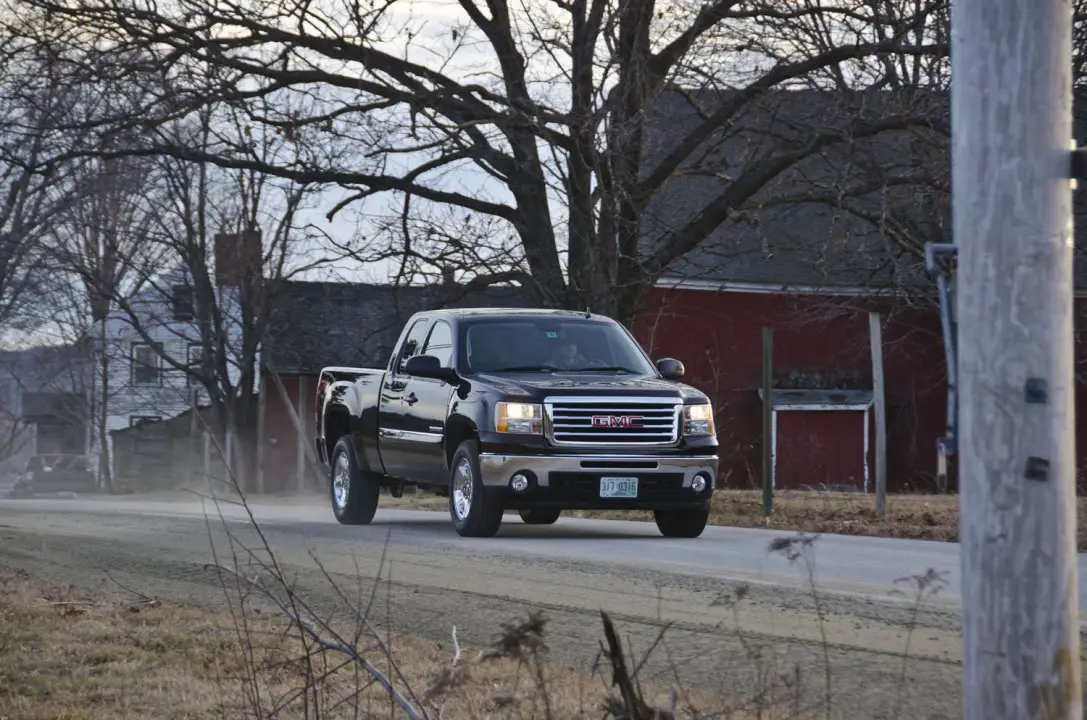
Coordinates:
column 617, row 421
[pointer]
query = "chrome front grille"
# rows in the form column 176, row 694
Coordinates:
column 613, row 420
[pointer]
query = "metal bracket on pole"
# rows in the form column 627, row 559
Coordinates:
column 946, row 445
column 1078, row 167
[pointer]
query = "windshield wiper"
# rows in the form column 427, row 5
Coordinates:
column 527, row 368
column 605, row 368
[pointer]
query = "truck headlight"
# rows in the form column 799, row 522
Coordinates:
column 698, row 420
column 522, row 418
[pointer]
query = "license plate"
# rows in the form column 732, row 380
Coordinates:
column 618, row 487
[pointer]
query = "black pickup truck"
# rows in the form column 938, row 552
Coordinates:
column 537, row 411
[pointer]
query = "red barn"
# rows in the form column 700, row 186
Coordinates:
column 828, row 237
column 822, row 366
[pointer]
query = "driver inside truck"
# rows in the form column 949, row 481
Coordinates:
column 567, row 356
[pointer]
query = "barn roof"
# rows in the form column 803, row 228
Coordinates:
column 781, row 238
column 317, row 324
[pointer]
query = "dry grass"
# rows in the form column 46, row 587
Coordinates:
column 74, row 653
column 921, row 517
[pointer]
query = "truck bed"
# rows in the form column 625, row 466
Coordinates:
column 357, row 394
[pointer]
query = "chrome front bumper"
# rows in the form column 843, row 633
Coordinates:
column 498, row 469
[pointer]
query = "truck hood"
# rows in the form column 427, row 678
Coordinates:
column 540, row 385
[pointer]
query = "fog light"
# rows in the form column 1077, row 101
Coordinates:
column 698, row 483
column 519, row 483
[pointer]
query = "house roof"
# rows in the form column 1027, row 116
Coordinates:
column 782, row 238
column 316, row 324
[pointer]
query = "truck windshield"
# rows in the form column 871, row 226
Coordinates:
column 550, row 345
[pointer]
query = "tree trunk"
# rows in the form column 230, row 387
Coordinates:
column 105, row 471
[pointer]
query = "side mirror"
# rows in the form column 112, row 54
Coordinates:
column 671, row 369
column 428, row 366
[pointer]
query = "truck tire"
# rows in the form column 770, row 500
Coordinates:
column 542, row 516
column 475, row 511
column 682, row 523
column 352, row 491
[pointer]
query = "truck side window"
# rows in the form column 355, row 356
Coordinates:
column 440, row 343
column 412, row 343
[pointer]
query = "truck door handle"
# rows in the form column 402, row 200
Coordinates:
column 411, row 399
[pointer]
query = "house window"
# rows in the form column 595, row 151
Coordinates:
column 135, row 420
column 146, row 365
column 196, row 360
column 182, row 301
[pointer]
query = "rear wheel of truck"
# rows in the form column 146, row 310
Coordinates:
column 685, row 523
column 540, row 516
column 476, row 512
column 354, row 492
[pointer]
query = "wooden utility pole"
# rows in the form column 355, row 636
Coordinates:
column 1011, row 114
column 875, row 332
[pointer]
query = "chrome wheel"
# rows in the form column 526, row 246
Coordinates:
column 341, row 482
column 462, row 490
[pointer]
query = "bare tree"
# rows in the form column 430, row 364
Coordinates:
column 38, row 176
column 100, row 252
column 535, row 114
column 210, row 249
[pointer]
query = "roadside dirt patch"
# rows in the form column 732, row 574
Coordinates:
column 73, row 652
column 918, row 517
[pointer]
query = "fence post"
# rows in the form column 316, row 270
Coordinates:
column 878, row 391
column 767, row 423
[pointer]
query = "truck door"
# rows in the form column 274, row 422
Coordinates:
column 396, row 451
column 426, row 402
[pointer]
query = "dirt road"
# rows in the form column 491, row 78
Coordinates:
column 431, row 580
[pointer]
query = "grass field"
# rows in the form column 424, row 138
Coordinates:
column 81, row 654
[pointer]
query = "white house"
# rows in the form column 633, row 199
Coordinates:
column 150, row 342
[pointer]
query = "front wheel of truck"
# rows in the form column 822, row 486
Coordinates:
column 475, row 511
column 685, row 523
column 353, row 492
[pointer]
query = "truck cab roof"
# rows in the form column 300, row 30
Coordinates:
column 500, row 312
